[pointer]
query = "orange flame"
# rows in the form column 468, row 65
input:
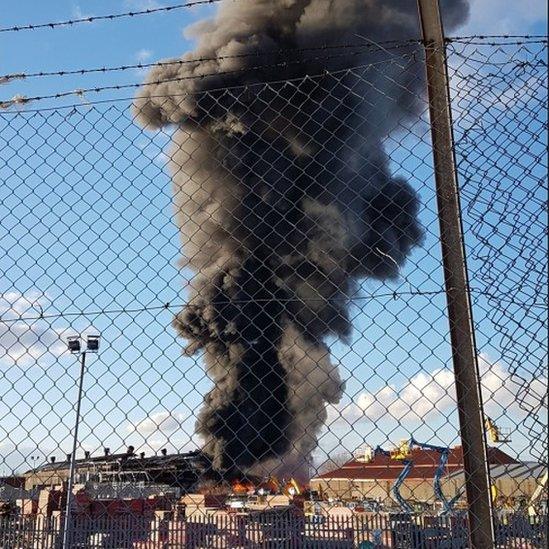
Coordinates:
column 292, row 488
column 242, row 487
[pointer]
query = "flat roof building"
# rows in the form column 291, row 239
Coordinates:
column 175, row 470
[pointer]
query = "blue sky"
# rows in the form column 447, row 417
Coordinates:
column 150, row 38
column 86, row 225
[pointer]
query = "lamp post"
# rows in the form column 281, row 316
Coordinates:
column 34, row 460
column 74, row 345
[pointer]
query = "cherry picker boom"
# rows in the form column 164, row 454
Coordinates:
column 395, row 489
column 404, row 454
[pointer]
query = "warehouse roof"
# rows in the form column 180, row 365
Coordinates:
column 383, row 467
column 128, row 457
column 528, row 469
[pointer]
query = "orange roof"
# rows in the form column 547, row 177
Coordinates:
column 382, row 467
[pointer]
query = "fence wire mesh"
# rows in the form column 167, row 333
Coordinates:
column 500, row 95
column 287, row 233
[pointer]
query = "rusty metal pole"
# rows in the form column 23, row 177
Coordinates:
column 469, row 398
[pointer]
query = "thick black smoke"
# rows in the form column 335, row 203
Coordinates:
column 284, row 199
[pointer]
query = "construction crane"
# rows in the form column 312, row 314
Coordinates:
column 496, row 435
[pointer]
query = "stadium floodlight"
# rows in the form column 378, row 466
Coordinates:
column 93, row 343
column 73, row 342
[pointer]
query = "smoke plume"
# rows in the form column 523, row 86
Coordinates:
column 284, row 199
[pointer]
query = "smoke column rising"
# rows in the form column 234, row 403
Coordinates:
column 284, row 200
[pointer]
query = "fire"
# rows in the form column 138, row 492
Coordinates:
column 242, row 487
column 270, row 485
column 292, row 488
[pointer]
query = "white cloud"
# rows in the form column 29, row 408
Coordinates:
column 505, row 16
column 77, row 13
column 26, row 338
column 427, row 396
column 26, row 341
column 14, row 304
column 160, row 422
column 143, row 4
column 143, row 55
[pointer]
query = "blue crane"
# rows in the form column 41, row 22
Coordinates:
column 395, row 489
column 447, row 504
column 403, row 454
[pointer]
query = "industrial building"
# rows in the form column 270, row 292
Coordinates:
column 511, row 482
column 372, row 475
column 122, row 470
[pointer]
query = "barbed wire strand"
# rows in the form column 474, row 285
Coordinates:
column 107, row 17
column 23, row 100
column 499, row 39
column 195, row 3
column 349, row 299
column 19, row 99
column 386, row 44
column 389, row 44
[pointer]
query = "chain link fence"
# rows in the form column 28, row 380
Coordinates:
column 501, row 124
column 285, row 234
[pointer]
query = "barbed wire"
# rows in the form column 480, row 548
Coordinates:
column 22, row 100
column 385, row 45
column 348, row 299
column 170, row 305
column 194, row 3
column 106, row 17
column 18, row 99
column 499, row 39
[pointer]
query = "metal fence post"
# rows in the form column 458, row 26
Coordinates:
column 469, row 398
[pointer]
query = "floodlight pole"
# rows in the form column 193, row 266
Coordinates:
column 92, row 347
column 469, row 397
column 72, row 465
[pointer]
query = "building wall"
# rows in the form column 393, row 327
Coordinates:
column 416, row 489
column 380, row 490
column 42, row 479
column 508, row 488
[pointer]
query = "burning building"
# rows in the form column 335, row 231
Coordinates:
column 176, row 473
column 285, row 201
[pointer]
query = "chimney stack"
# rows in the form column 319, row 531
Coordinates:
column 87, row 454
column 69, row 457
column 142, row 455
column 107, row 451
column 52, row 459
column 164, row 452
